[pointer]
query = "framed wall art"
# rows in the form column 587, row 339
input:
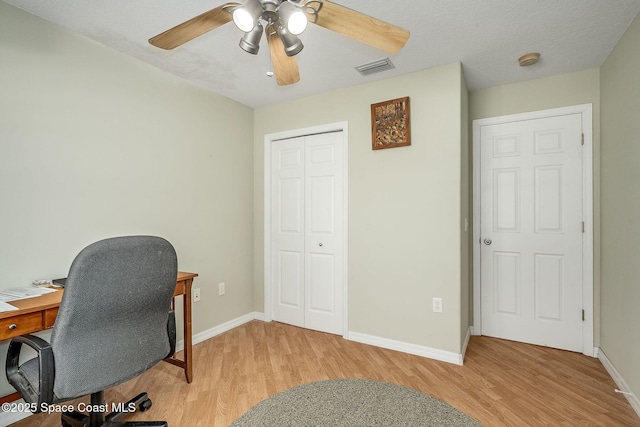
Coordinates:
column 391, row 124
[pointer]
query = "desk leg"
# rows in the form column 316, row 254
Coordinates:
column 188, row 369
column 187, row 363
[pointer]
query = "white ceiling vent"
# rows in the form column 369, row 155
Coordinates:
column 375, row 67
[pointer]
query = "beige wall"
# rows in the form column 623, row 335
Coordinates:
column 95, row 144
column 582, row 87
column 404, row 205
column 564, row 90
column 466, row 261
column 620, row 162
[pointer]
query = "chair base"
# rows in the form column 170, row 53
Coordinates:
column 114, row 419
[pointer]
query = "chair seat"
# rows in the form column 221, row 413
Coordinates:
column 31, row 372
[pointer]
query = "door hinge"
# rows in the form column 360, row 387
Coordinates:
column 583, row 315
column 582, row 143
column 583, row 226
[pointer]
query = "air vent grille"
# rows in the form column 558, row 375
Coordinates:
column 375, row 67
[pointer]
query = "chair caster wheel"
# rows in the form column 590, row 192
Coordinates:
column 145, row 404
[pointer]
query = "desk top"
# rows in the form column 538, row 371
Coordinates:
column 52, row 300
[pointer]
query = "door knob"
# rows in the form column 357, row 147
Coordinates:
column 487, row 242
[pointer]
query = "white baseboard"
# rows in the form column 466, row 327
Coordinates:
column 7, row 418
column 217, row 330
column 634, row 401
column 418, row 350
column 466, row 342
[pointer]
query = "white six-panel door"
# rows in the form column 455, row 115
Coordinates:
column 532, row 230
column 307, row 231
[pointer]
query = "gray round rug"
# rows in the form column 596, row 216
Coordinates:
column 352, row 402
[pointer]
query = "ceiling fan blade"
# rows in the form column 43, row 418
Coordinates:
column 362, row 28
column 193, row 28
column 285, row 67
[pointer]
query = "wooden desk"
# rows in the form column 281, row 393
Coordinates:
column 39, row 313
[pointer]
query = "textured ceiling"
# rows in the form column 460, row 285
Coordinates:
column 486, row 36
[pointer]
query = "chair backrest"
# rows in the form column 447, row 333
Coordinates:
column 112, row 321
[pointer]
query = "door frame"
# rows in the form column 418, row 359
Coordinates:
column 586, row 111
column 269, row 139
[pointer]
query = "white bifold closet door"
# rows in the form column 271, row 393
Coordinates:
column 307, row 232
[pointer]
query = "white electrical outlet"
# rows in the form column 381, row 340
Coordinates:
column 437, row 305
column 221, row 289
column 196, row 295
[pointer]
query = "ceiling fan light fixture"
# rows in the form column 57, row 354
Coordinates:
column 292, row 44
column 282, row 21
column 293, row 17
column 297, row 22
column 246, row 17
column 250, row 42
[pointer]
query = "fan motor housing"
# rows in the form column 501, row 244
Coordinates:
column 270, row 14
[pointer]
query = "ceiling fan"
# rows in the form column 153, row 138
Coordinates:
column 283, row 21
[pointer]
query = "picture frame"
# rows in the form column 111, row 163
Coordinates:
column 391, row 124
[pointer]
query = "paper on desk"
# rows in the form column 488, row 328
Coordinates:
column 6, row 307
column 22, row 293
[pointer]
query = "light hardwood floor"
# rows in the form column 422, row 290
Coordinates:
column 502, row 383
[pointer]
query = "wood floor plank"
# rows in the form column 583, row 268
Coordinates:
column 502, row 383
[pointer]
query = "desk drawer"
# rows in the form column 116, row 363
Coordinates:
column 50, row 317
column 19, row 325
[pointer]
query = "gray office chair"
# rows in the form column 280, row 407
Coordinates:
column 114, row 323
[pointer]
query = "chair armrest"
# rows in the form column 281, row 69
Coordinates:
column 171, row 331
column 46, row 369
